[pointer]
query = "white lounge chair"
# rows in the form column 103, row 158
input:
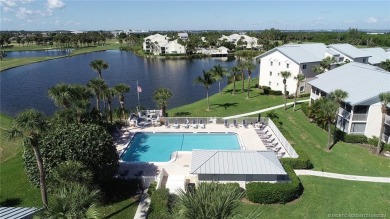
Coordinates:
column 187, row 124
column 194, row 125
column 176, row 125
column 201, row 124
column 235, row 123
column 167, row 123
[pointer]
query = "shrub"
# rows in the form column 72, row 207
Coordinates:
column 290, row 96
column 373, row 141
column 302, row 162
column 351, row 138
column 152, row 188
column 265, row 88
column 275, row 92
column 159, row 204
column 267, row 193
column 89, row 144
column 304, row 95
column 305, row 108
column 386, row 147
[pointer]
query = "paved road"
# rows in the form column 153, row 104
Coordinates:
column 342, row 176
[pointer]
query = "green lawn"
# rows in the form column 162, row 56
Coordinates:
column 15, row 62
column 323, row 196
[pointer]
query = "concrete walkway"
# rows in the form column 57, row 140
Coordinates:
column 264, row 110
column 342, row 176
column 143, row 206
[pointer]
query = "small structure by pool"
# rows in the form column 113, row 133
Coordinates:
column 237, row 166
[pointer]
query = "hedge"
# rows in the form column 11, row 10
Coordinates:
column 304, row 95
column 275, row 92
column 351, row 138
column 152, row 188
column 305, row 108
column 268, row 193
column 159, row 205
column 302, row 162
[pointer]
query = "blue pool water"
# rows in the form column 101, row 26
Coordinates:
column 158, row 147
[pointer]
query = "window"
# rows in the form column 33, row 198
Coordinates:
column 364, row 60
column 302, row 89
column 270, row 73
column 278, row 74
column 277, row 84
column 358, row 127
column 303, row 67
column 269, row 83
column 279, row 63
column 272, row 63
column 287, row 65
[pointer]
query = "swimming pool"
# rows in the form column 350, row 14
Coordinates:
column 158, row 147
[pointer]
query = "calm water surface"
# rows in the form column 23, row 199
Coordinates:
column 40, row 53
column 26, row 86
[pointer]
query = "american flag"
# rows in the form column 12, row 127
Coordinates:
column 139, row 89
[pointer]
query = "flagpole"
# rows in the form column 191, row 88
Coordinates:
column 138, row 108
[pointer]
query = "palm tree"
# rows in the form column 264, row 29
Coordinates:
column 161, row 97
column 249, row 67
column 385, row 100
column 318, row 69
column 385, row 65
column 285, row 75
column 324, row 65
column 120, row 90
column 209, row 201
column 219, row 72
column 97, row 85
column 326, row 114
column 109, row 93
column 29, row 125
column 299, row 78
column 207, row 80
column 61, row 95
column 99, row 65
column 337, row 96
column 241, row 66
column 235, row 70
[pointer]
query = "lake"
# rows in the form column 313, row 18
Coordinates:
column 40, row 53
column 26, row 86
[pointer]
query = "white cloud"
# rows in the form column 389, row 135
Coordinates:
column 55, row 4
column 8, row 3
column 29, row 15
column 4, row 19
column 372, row 20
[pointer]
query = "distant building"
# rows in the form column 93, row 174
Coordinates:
column 350, row 53
column 172, row 47
column 160, row 44
column 360, row 112
column 377, row 55
column 218, row 52
column 249, row 42
column 183, row 36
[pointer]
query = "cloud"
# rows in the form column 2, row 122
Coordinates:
column 29, row 15
column 4, row 19
column 8, row 3
column 372, row 20
column 55, row 4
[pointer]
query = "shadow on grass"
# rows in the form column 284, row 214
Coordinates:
column 122, row 209
column 181, row 114
column 10, row 202
column 224, row 105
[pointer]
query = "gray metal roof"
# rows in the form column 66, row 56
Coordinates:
column 16, row 213
column 300, row 53
column 348, row 50
column 235, row 162
column 363, row 82
column 378, row 55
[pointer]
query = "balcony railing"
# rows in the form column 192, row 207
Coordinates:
column 344, row 113
column 387, row 119
column 359, row 117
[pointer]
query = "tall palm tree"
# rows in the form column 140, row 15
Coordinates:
column 209, row 201
column 326, row 109
column 61, row 95
column 120, row 90
column 337, row 96
column 299, row 78
column 109, row 93
column 235, row 70
column 29, row 125
column 249, row 67
column 241, row 66
column 99, row 65
column 285, row 75
column 219, row 72
column 97, row 85
column 385, row 100
column 161, row 97
column 207, row 80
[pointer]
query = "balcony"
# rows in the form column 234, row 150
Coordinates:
column 359, row 117
column 385, row 138
column 387, row 119
column 344, row 113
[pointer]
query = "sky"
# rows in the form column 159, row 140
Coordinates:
column 193, row 15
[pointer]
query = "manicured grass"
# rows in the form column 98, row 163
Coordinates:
column 226, row 104
column 344, row 158
column 15, row 62
column 323, row 196
column 123, row 209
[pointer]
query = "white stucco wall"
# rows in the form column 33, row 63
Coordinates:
column 374, row 120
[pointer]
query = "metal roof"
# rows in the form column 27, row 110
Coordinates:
column 235, row 162
column 16, row 213
column 300, row 53
column 363, row 82
column 348, row 50
column 378, row 55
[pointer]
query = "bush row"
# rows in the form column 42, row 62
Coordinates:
column 267, row 91
column 302, row 162
column 268, row 193
column 159, row 205
column 304, row 95
column 351, row 138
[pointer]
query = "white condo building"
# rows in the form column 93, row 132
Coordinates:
column 251, row 42
column 160, row 44
column 360, row 113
